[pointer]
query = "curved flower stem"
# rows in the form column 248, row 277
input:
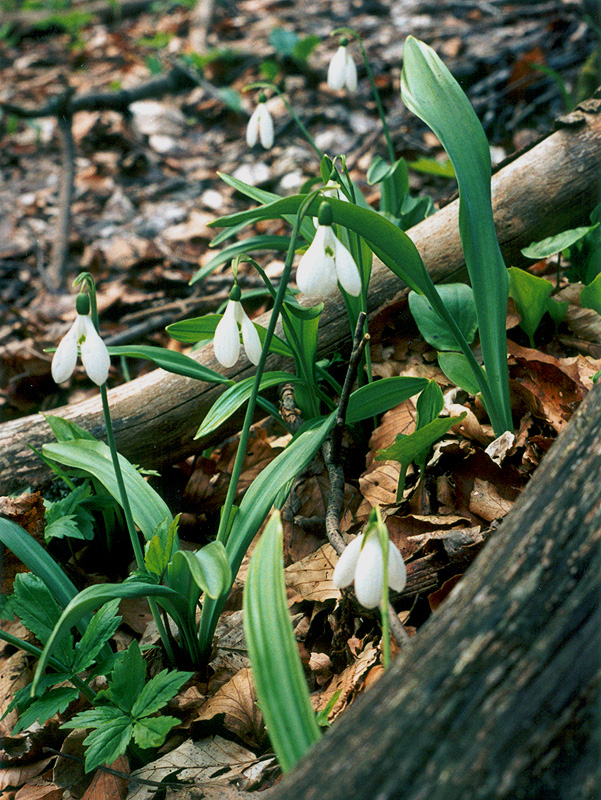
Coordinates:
column 224, row 522
column 304, row 131
column 374, row 88
column 88, row 280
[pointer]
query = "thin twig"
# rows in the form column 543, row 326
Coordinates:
column 54, row 277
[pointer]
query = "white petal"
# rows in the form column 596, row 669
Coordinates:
column 350, row 73
column 368, row 575
column 252, row 130
column 346, row 269
column 226, row 342
column 337, row 68
column 94, row 355
column 250, row 339
column 265, row 126
column 65, row 358
column 344, row 573
column 397, row 573
column 316, row 271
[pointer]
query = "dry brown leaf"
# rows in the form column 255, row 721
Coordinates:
column 106, row 786
column 15, row 674
column 237, row 701
column 19, row 775
column 349, row 683
column 502, row 446
column 400, row 419
column 44, row 791
column 486, row 501
column 232, row 652
column 311, row 577
column 379, row 483
column 197, row 227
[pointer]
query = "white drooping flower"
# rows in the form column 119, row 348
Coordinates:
column 362, row 562
column 94, row 355
column 260, row 126
column 325, row 263
column 342, row 71
column 226, row 342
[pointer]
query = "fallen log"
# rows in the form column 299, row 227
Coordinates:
column 498, row 695
column 549, row 188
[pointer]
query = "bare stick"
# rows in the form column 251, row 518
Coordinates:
column 54, row 277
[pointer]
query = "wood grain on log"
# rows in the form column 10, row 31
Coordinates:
column 551, row 187
column 498, row 696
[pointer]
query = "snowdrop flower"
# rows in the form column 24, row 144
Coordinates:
column 260, row 125
column 362, row 562
column 226, row 342
column 327, row 262
column 83, row 334
column 342, row 70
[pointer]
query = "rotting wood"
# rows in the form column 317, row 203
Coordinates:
column 498, row 694
column 551, row 187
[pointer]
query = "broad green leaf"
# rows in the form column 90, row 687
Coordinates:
column 429, row 404
column 94, row 458
column 65, row 430
column 251, row 245
column 415, row 446
column 590, row 296
column 102, row 626
column 455, row 366
column 280, row 682
column 54, row 701
column 236, row 396
column 152, row 731
column 530, row 294
column 430, row 166
column 36, row 559
column 459, row 300
column 170, row 361
column 33, row 603
column 108, row 742
column 208, row 569
column 430, row 91
column 160, row 549
column 92, row 597
column 158, row 691
column 556, row 244
column 380, row 396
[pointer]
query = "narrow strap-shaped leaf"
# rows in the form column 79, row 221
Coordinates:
column 251, row 245
column 281, row 686
column 379, row 396
column 171, row 361
column 148, row 508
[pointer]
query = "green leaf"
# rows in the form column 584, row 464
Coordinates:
column 65, row 430
column 236, row 396
column 429, row 404
column 33, row 603
column 94, row 458
column 590, row 296
column 430, row 91
column 531, row 295
column 67, row 517
column 170, row 361
column 251, row 245
column 380, row 396
column 102, row 626
column 152, row 731
column 556, row 244
column 108, row 742
column 459, row 300
column 54, row 701
column 283, row 41
column 158, row 691
column 416, row 445
column 160, row 549
column 127, row 679
column 455, row 366
column 430, row 166
column 35, row 558
column 202, row 328
column 281, row 686
column 208, row 568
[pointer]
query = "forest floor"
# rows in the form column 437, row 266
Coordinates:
column 146, row 189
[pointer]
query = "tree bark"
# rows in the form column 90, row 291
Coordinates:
column 549, row 188
column 498, row 695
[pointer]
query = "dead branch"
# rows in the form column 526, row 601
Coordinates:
column 553, row 186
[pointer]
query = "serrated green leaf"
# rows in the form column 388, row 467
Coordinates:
column 459, row 300
column 94, row 458
column 102, row 626
column 556, row 244
column 236, row 396
column 127, row 679
column 54, row 701
column 68, row 517
column 158, row 691
column 108, row 742
column 416, row 445
column 152, row 731
column 170, row 361
column 94, row 717
column 32, row 601
column 281, row 686
column 380, row 396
